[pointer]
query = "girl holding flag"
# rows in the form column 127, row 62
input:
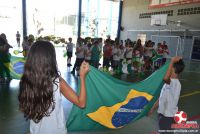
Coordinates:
column 41, row 87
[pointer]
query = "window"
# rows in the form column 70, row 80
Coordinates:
column 52, row 17
column 11, row 19
column 99, row 18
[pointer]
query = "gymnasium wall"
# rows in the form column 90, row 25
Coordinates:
column 136, row 16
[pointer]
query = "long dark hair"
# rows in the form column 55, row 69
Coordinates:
column 36, row 86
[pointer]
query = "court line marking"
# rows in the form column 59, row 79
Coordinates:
column 191, row 72
column 190, row 94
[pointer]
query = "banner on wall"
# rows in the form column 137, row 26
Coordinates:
column 166, row 3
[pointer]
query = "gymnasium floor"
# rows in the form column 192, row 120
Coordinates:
column 12, row 121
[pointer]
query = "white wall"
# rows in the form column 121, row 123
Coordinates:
column 132, row 9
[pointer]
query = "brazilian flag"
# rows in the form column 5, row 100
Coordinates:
column 112, row 103
column 11, row 66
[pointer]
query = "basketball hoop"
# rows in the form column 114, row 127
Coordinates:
column 159, row 20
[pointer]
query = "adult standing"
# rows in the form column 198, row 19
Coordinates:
column 18, row 38
column 4, row 58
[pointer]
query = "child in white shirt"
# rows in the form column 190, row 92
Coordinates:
column 170, row 93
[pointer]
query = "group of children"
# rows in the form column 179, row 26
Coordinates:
column 87, row 49
column 41, row 87
column 115, row 53
column 138, row 57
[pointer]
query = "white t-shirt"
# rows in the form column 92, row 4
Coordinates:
column 116, row 54
column 166, row 53
column 80, row 54
column 149, row 51
column 55, row 123
column 70, row 47
column 88, row 52
column 137, row 54
column 129, row 52
column 122, row 53
column 169, row 97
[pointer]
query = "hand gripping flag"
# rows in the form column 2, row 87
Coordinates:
column 11, row 66
column 112, row 103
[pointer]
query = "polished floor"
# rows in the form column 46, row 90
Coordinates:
column 12, row 121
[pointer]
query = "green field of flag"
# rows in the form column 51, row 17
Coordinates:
column 112, row 103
